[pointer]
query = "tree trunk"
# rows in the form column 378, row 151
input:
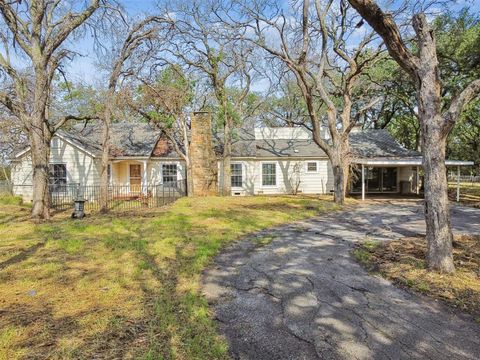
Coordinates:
column 437, row 214
column 340, row 166
column 40, row 160
column 434, row 136
column 107, row 114
column 227, row 153
column 40, row 146
column 226, row 176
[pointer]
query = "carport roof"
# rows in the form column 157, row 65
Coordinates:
column 412, row 161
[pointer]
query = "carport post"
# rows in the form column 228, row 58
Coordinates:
column 363, row 182
column 418, row 180
column 458, row 183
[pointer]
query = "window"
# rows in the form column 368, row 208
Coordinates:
column 269, row 174
column 236, row 175
column 58, row 177
column 169, row 174
column 312, row 166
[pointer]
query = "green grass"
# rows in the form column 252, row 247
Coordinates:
column 6, row 199
column 124, row 285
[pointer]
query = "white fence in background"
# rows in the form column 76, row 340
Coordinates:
column 464, row 178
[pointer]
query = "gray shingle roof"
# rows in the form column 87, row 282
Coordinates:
column 363, row 144
column 378, row 143
column 139, row 139
column 127, row 138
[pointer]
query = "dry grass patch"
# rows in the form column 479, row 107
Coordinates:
column 123, row 285
column 403, row 262
column 469, row 193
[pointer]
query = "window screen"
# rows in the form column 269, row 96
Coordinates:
column 58, row 177
column 269, row 174
column 312, row 166
column 169, row 174
column 236, row 175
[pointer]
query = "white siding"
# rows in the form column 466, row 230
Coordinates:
column 155, row 170
column 81, row 168
column 248, row 177
column 292, row 174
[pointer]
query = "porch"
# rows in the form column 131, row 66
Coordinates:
column 395, row 176
column 137, row 176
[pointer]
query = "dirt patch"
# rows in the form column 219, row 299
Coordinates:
column 403, row 262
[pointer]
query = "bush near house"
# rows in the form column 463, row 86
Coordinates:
column 403, row 262
column 123, row 285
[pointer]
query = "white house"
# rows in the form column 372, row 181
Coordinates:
column 264, row 161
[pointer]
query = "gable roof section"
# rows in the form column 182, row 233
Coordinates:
column 128, row 139
column 378, row 144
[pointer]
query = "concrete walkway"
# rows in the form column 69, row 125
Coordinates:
column 303, row 296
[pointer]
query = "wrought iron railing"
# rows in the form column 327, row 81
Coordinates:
column 120, row 197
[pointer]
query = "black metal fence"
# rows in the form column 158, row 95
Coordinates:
column 120, row 197
column 5, row 187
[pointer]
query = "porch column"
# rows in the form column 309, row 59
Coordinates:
column 363, row 182
column 144, row 177
column 458, row 183
column 110, row 180
column 418, row 180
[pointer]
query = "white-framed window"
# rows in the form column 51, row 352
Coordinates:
column 236, row 175
column 312, row 166
column 269, row 174
column 169, row 175
column 57, row 177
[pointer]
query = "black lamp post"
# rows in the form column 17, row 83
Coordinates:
column 79, row 212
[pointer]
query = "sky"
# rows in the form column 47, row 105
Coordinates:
column 83, row 68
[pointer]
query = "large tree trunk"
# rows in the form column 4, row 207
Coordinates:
column 340, row 178
column 226, row 161
column 437, row 214
column 40, row 146
column 107, row 118
column 340, row 166
column 40, row 160
column 104, row 183
column 434, row 136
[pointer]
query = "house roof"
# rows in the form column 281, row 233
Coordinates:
column 134, row 139
column 363, row 144
column 378, row 143
column 127, row 139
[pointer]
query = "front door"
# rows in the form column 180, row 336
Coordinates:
column 135, row 178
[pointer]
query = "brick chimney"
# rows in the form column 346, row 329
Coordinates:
column 204, row 161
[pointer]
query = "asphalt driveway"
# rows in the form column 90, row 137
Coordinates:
column 304, row 297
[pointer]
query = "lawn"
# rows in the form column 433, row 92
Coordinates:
column 403, row 262
column 123, row 285
column 469, row 193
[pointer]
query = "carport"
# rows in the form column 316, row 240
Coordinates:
column 408, row 164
